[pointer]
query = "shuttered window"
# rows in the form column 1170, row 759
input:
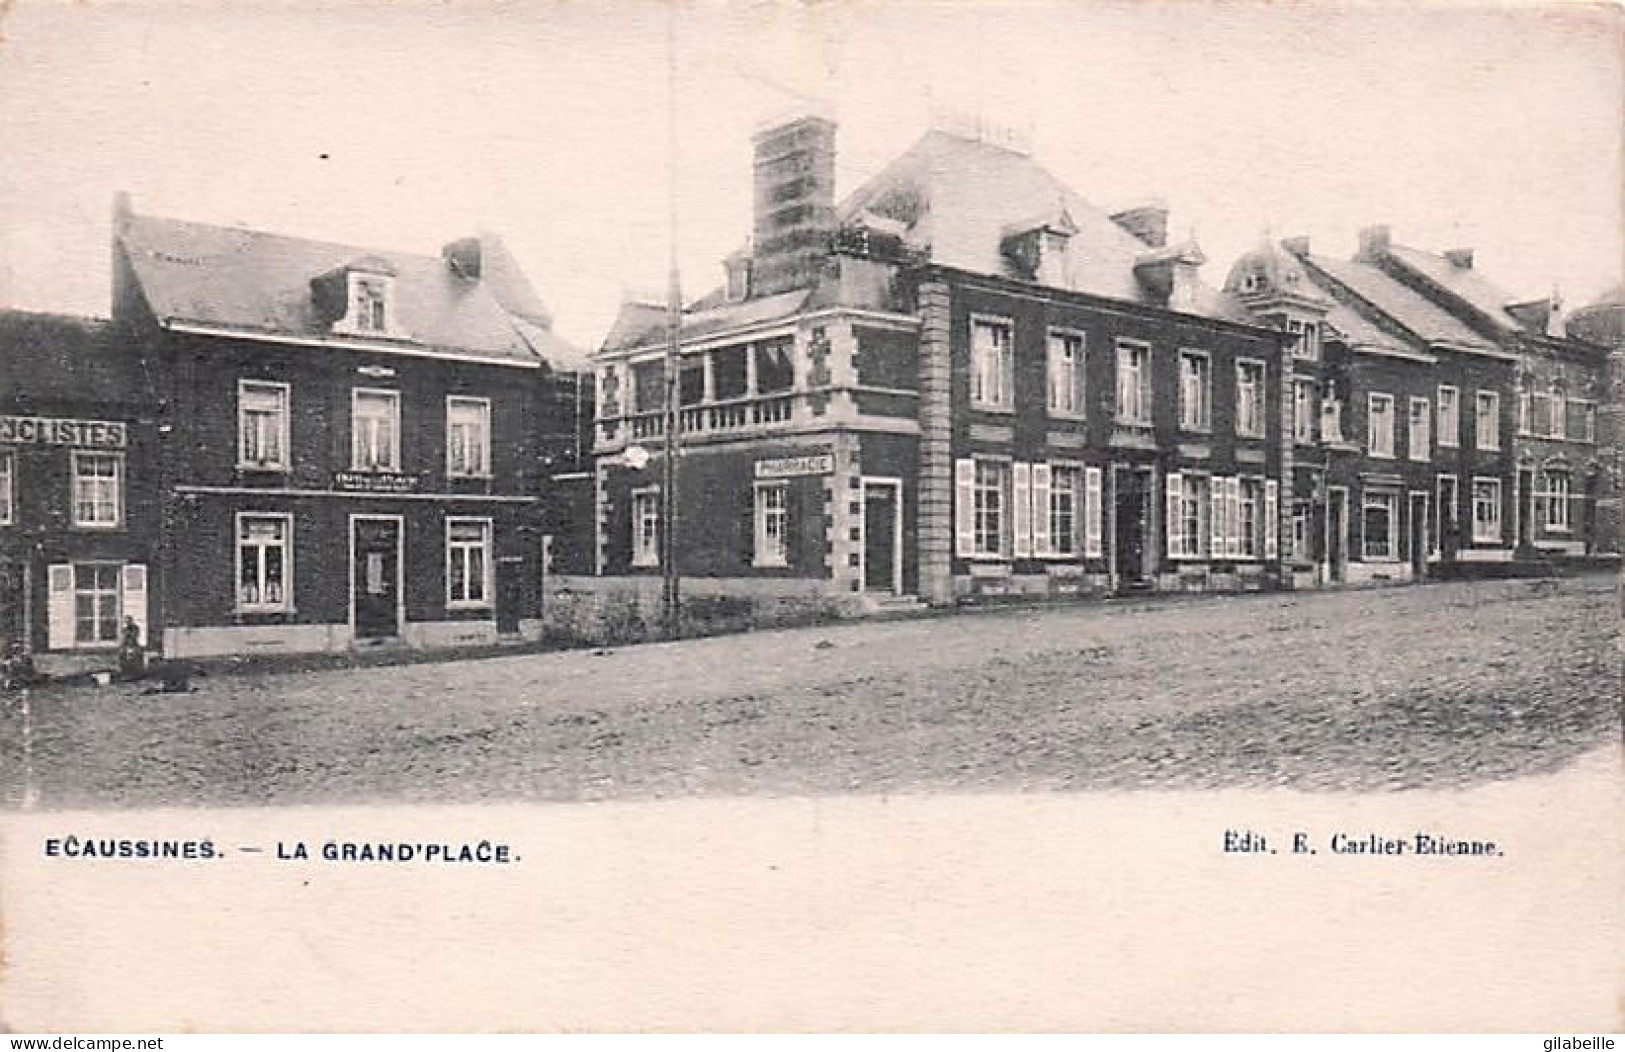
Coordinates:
column 1022, row 510
column 1092, row 514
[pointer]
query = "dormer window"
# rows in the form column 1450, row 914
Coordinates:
column 369, row 297
column 1253, row 282
column 1037, row 249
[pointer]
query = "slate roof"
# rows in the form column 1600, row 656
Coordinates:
column 1465, row 282
column 640, row 323
column 59, row 358
column 255, row 282
column 1410, row 309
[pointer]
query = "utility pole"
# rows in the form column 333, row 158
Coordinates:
column 671, row 582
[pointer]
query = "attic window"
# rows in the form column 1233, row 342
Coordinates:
column 370, row 302
column 1253, row 282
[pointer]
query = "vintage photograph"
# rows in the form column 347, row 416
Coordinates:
column 810, row 516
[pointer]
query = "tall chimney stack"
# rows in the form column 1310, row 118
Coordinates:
column 795, row 204
column 1374, row 243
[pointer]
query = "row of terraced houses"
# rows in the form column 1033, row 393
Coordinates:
column 960, row 382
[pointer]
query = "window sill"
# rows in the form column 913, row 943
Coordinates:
column 468, row 607
column 264, row 469
column 1059, row 414
column 376, row 469
column 644, row 565
column 98, row 527
column 1201, row 432
column 453, row 476
column 263, row 611
column 983, row 407
column 1251, row 436
column 779, row 564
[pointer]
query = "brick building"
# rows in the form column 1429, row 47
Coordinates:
column 962, row 381
column 350, row 441
column 79, row 506
column 1601, row 323
column 1400, row 417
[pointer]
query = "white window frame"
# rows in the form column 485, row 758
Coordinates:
column 369, row 291
column 1491, row 533
column 459, row 550
column 992, row 366
column 1557, row 417
column 280, row 421
column 1195, row 495
column 1066, row 380
column 1585, row 411
column 262, row 605
column 1072, row 543
column 1388, row 499
column 1004, row 485
column 1305, row 411
column 1250, row 537
column 1139, row 390
column 1487, row 425
column 1448, row 429
column 357, row 462
column 1379, row 442
column 95, row 594
column 1257, row 405
column 481, row 407
column 80, row 480
column 1197, row 417
column 1557, row 517
column 645, row 507
column 8, row 487
column 770, row 549
column 1419, row 439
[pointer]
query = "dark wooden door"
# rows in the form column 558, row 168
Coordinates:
column 377, row 553
column 1130, row 522
column 1419, row 536
column 880, row 538
column 510, row 587
column 1337, row 533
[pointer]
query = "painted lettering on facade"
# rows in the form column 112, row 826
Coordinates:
column 790, row 467
column 374, row 482
column 57, row 431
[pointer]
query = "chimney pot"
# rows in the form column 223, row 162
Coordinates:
column 463, row 257
column 1460, row 258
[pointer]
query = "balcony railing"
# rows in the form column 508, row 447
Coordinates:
column 735, row 415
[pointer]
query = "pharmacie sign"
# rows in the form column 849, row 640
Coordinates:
column 788, row 467
column 375, row 482
column 58, row 431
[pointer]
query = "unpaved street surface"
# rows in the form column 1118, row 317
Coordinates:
column 1439, row 686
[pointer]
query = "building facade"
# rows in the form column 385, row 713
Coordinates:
column 348, row 439
column 79, row 498
column 962, row 382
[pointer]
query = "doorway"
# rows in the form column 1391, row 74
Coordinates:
column 883, row 535
column 375, row 576
column 1337, row 533
column 1419, row 535
column 1131, row 524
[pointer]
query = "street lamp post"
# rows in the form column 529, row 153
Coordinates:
column 671, row 581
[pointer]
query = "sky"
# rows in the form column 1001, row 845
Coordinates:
column 405, row 126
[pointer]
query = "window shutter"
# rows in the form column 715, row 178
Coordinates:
column 1175, row 487
column 1043, row 544
column 965, row 507
column 1272, row 523
column 1233, row 537
column 1091, row 512
column 60, row 612
column 1022, row 518
column 1217, row 502
column 134, row 599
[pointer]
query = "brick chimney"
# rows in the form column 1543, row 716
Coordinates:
column 1148, row 222
column 1296, row 246
column 1374, row 243
column 795, row 203
column 1460, row 258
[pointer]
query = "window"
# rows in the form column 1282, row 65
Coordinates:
column 1301, row 549
column 1307, row 344
column 95, row 603
column 1560, row 416
column 1487, row 420
column 1250, row 520
column 375, row 430
column 1379, row 521
column 1331, row 420
column 1187, row 515
column 646, row 527
column 772, row 522
column 264, row 576
column 1380, row 425
column 1250, row 399
column 1537, row 417
column 1419, row 436
column 1582, row 418
column 1554, row 495
column 992, row 364
column 1133, row 384
column 262, row 424
column 648, row 386
column 1066, row 373
column 1065, row 505
column 8, row 487
column 1487, row 510
column 370, row 298
column 1449, row 416
column 1195, row 399
column 96, row 490
column 992, row 525
column 468, row 437
column 468, row 563
column 1304, row 411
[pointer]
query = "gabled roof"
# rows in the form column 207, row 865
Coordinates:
column 257, row 283
column 1406, row 307
column 1464, row 282
column 961, row 197
column 641, row 323
column 59, row 358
